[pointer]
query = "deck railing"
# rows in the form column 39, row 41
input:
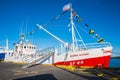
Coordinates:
column 95, row 45
column 47, row 50
column 88, row 46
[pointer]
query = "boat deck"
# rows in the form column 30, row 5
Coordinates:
column 12, row 71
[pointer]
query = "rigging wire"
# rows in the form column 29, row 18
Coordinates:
column 93, row 36
column 80, row 37
column 82, row 29
column 85, row 31
column 49, row 22
column 57, row 17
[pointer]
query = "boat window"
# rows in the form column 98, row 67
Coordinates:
column 30, row 47
column 24, row 47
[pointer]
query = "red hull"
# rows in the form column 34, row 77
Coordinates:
column 101, row 62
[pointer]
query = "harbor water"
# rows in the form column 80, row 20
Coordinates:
column 114, row 62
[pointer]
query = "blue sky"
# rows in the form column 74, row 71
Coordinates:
column 22, row 15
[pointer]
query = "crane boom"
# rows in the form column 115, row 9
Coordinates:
column 65, row 43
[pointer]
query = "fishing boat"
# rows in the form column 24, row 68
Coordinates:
column 90, row 55
column 21, row 49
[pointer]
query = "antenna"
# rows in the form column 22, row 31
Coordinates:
column 21, row 28
column 26, row 27
column 7, row 48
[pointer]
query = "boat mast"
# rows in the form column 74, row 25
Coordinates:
column 21, row 38
column 72, row 25
column 73, row 32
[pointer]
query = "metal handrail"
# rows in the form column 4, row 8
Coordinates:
column 88, row 46
column 96, row 45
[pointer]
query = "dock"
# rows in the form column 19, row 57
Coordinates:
column 13, row 71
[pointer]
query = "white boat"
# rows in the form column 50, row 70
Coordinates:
column 21, row 50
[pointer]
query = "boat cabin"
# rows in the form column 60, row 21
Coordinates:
column 24, row 49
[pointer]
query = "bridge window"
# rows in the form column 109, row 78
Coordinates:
column 30, row 47
column 24, row 47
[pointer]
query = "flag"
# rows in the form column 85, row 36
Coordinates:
column 59, row 15
column 66, row 7
column 91, row 31
column 79, row 20
column 74, row 14
column 100, row 40
column 96, row 36
column 86, row 25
